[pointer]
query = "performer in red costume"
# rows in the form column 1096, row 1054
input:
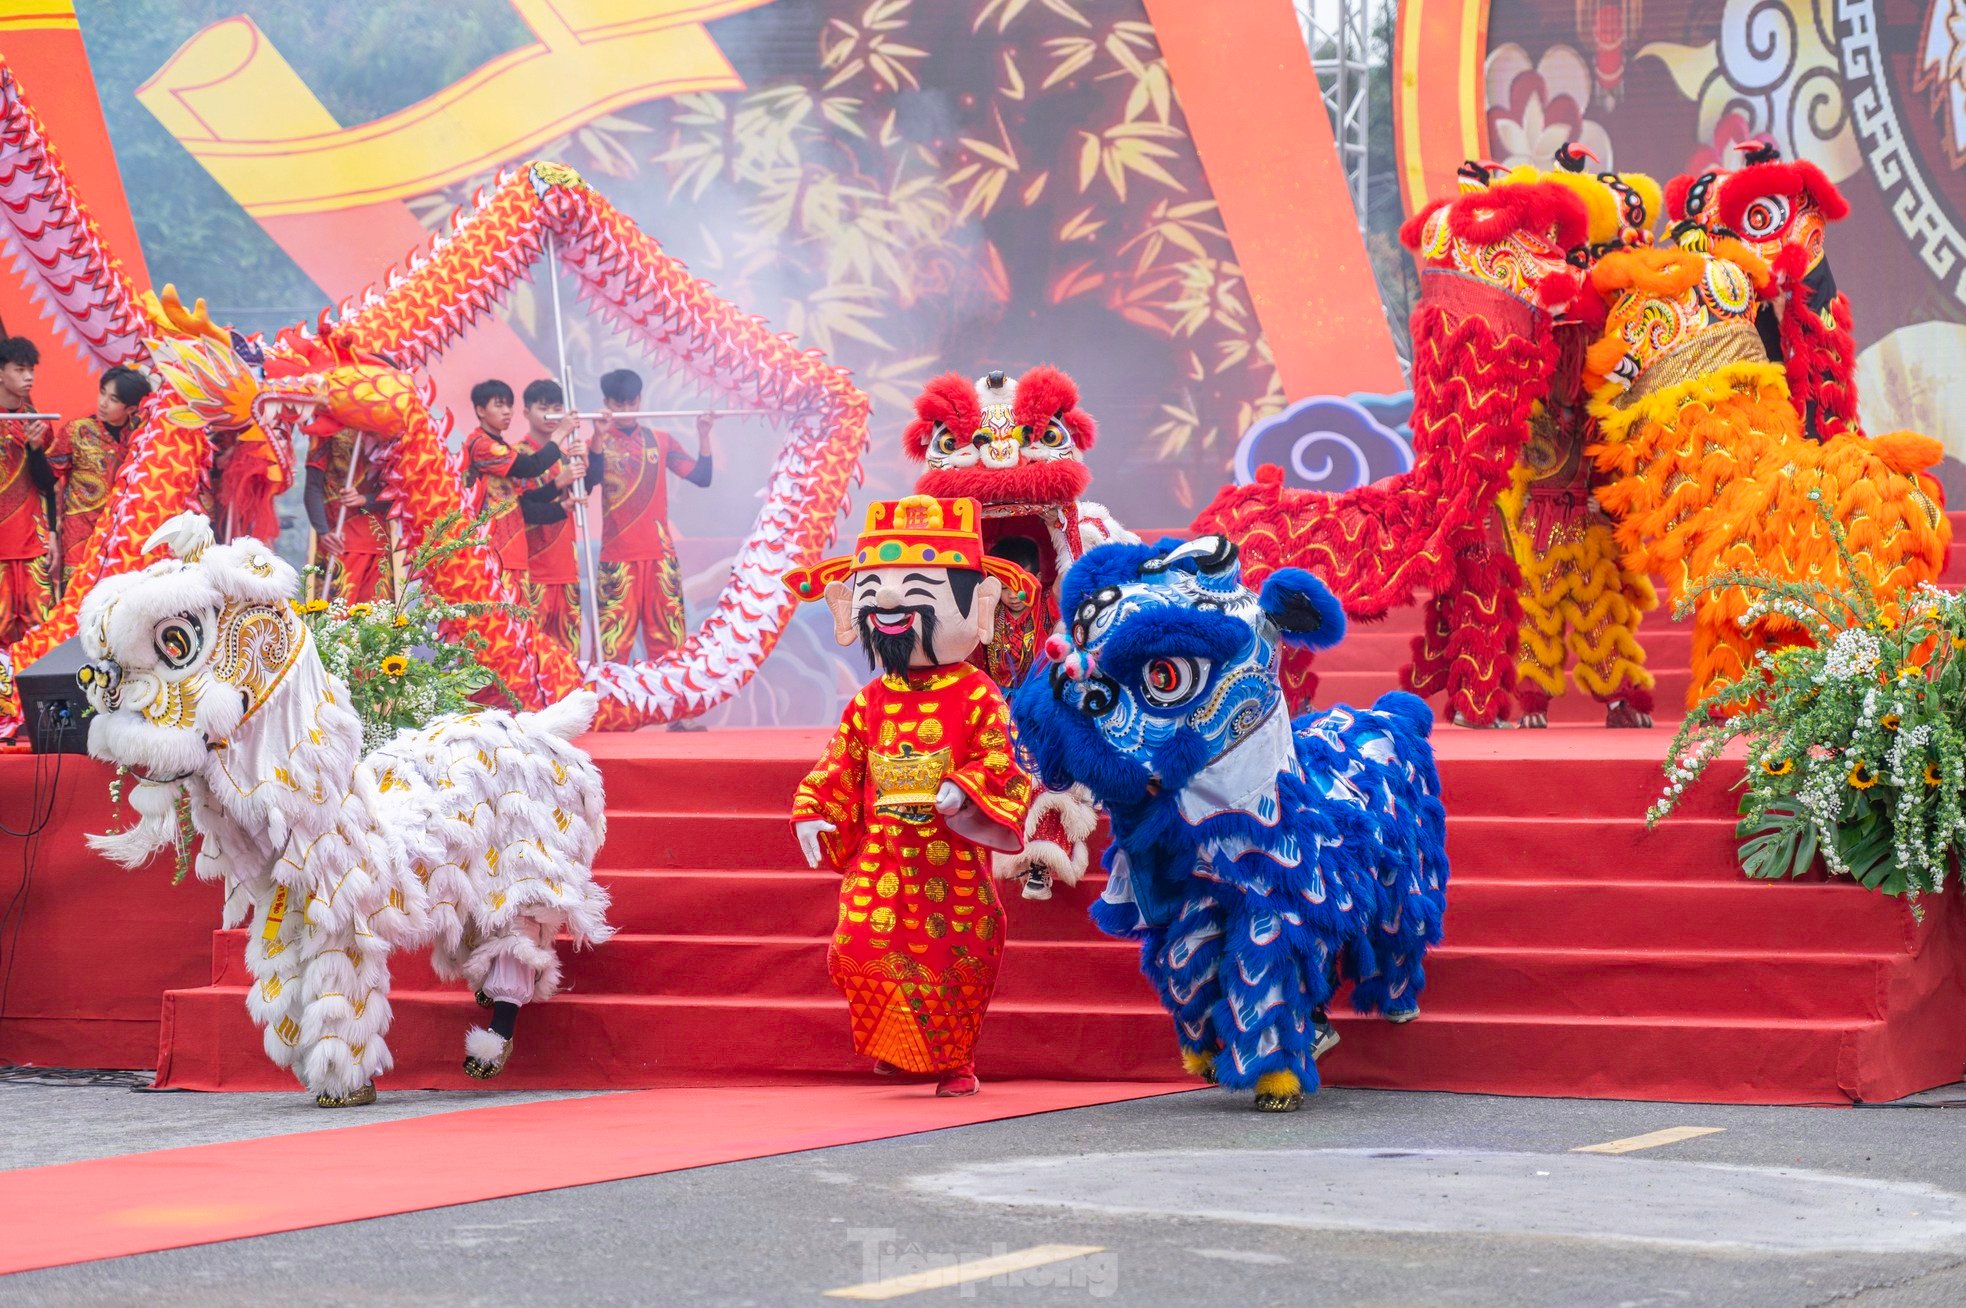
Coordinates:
column 349, row 514
column 553, row 578
column 498, row 473
column 641, row 588
column 920, row 779
column 27, row 483
column 86, row 456
column 1017, row 446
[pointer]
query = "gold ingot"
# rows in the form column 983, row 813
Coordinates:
column 882, row 919
column 937, row 926
column 856, row 917
column 938, row 852
column 889, row 884
column 937, row 890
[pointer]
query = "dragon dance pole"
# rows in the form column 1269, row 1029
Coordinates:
column 585, row 583
column 341, row 518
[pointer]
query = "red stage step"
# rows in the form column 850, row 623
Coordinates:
column 1584, row 955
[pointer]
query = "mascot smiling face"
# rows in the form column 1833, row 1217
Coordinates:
column 181, row 653
column 1002, row 441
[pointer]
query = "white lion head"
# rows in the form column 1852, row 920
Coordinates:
column 181, row 653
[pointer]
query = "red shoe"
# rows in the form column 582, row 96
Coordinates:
column 957, row 1082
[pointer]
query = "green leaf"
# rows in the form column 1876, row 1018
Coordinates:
column 1784, row 845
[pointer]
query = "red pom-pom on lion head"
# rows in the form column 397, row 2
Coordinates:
column 1002, row 441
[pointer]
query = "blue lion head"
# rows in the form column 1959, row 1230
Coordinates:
column 1167, row 663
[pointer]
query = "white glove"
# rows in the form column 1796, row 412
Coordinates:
column 950, row 799
column 808, row 833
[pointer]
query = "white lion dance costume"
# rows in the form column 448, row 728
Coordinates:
column 475, row 835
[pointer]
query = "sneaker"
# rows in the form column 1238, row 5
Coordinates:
column 1326, row 1038
column 957, row 1082
column 1037, row 884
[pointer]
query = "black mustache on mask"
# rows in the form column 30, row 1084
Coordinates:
column 893, row 653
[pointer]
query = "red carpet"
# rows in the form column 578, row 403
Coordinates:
column 140, row 1203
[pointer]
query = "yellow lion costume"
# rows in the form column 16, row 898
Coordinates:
column 1579, row 599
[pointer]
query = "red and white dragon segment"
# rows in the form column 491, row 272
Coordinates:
column 352, row 368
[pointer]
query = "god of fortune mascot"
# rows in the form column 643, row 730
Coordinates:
column 474, row 835
column 1259, row 861
column 918, row 784
column 1017, row 446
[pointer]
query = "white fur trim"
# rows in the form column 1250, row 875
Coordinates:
column 1074, row 809
column 1065, row 867
column 485, row 1045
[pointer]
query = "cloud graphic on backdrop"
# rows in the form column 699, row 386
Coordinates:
column 1331, row 442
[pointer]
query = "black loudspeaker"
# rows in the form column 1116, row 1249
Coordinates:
column 55, row 710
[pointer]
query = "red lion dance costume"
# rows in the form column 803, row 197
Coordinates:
column 1494, row 277
column 1017, row 446
column 1781, row 211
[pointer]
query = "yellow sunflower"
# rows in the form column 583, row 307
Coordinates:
column 1932, row 777
column 361, row 610
column 315, row 606
column 1911, row 674
column 1861, row 777
column 395, row 665
column 1778, row 768
column 402, row 620
column 1889, row 722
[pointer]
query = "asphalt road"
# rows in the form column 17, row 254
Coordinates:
column 1363, row 1198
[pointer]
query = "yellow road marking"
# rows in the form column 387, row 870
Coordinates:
column 1650, row 1140
column 941, row 1278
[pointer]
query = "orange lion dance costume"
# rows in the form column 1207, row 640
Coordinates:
column 1706, row 464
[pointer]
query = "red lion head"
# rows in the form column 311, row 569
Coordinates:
column 1002, row 441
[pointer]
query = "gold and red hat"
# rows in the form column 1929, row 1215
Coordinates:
column 918, row 531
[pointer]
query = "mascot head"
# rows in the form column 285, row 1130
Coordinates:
column 918, row 590
column 1516, row 230
column 1780, row 209
column 1168, row 664
column 1002, row 440
column 183, row 652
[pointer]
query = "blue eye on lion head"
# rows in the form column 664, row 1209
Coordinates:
column 1167, row 661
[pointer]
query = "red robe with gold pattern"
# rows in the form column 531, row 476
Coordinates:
column 920, row 930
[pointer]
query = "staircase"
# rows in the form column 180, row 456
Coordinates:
column 1584, row 955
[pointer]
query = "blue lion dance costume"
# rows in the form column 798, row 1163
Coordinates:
column 1259, row 861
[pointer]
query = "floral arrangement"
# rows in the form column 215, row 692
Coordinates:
column 411, row 660
column 1854, row 744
